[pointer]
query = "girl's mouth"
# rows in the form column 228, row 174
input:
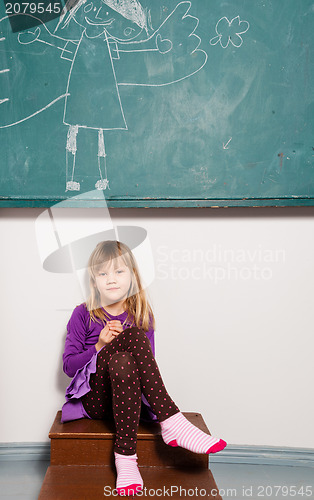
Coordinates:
column 104, row 23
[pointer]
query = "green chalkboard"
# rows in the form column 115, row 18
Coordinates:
column 159, row 103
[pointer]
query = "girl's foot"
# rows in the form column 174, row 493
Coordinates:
column 129, row 479
column 178, row 431
column 102, row 184
column 73, row 186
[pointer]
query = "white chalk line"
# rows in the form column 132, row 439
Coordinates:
column 173, row 81
column 36, row 113
column 51, row 45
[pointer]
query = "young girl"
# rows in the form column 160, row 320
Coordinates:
column 109, row 352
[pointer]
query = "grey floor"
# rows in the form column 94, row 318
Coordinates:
column 272, row 482
column 23, row 479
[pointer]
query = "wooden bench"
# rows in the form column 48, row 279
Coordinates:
column 82, row 463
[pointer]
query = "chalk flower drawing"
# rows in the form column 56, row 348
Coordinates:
column 230, row 31
column 102, row 47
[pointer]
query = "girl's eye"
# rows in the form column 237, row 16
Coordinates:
column 120, row 271
column 88, row 7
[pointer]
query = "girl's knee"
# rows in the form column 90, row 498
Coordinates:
column 135, row 333
column 122, row 364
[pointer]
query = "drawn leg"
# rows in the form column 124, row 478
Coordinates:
column 71, row 148
column 103, row 183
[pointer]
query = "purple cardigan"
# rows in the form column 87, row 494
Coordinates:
column 80, row 360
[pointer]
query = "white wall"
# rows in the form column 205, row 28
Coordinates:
column 234, row 332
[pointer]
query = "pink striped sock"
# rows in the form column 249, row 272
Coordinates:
column 178, row 431
column 129, row 479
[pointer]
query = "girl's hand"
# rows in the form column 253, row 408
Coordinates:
column 29, row 36
column 108, row 333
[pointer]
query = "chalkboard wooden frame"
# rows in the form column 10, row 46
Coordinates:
column 162, row 203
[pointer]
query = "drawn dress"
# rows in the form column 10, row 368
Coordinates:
column 94, row 100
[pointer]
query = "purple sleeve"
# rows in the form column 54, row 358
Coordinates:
column 151, row 336
column 75, row 355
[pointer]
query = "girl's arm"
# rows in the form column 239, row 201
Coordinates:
column 42, row 36
column 151, row 337
column 169, row 55
column 75, row 354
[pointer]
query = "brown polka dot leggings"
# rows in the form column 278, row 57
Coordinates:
column 126, row 368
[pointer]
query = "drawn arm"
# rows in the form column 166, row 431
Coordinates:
column 27, row 93
column 42, row 35
column 169, row 55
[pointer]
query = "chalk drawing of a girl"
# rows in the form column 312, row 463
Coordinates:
column 105, row 23
column 110, row 43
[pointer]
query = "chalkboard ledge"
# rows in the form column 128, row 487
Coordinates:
column 159, row 202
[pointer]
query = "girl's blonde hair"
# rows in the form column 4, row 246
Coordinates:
column 137, row 305
column 130, row 9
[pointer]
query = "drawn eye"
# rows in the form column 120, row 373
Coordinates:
column 88, row 7
column 128, row 31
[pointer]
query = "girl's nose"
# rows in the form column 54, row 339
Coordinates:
column 97, row 15
column 111, row 278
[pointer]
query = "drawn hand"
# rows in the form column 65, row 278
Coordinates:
column 163, row 46
column 27, row 37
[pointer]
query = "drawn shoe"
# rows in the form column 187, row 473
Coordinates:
column 102, row 184
column 73, row 186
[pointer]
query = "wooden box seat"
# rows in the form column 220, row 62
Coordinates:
column 82, row 462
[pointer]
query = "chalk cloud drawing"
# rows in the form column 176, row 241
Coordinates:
column 230, row 32
column 111, row 32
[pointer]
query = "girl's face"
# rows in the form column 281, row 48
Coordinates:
column 96, row 15
column 113, row 282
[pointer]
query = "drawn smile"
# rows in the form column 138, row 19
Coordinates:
column 105, row 23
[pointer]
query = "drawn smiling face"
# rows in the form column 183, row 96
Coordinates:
column 95, row 16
